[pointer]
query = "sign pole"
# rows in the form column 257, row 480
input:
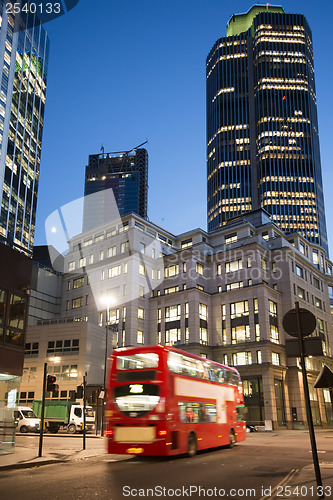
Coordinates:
column 42, row 413
column 307, row 402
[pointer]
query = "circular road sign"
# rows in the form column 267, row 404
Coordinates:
column 308, row 322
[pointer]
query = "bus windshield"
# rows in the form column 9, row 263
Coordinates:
column 140, row 361
column 135, row 400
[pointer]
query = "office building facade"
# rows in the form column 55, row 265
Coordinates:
column 24, row 60
column 22, row 101
column 126, row 173
column 262, row 127
column 221, row 295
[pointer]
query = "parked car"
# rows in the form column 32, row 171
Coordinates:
column 26, row 420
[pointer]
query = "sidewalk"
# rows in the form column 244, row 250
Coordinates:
column 24, row 457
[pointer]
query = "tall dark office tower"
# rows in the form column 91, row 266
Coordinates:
column 126, row 173
column 262, row 129
column 24, row 56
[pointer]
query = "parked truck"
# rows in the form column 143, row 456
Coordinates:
column 65, row 414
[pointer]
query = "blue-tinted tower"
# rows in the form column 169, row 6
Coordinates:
column 262, row 127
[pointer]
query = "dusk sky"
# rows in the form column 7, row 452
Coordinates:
column 123, row 72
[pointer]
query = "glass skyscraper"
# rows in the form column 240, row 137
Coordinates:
column 22, row 99
column 126, row 173
column 262, row 128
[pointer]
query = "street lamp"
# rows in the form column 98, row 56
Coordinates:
column 107, row 300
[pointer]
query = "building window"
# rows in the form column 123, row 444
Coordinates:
column 186, row 244
column 315, row 257
column 234, row 286
column 78, row 282
column 142, row 269
column 231, row 238
column 113, row 316
column 318, row 303
column 219, row 269
column 71, row 266
column 302, row 248
column 171, row 271
column 259, row 357
column 101, row 255
column 65, row 347
column 240, row 334
column 265, row 235
column 78, row 302
column 203, row 311
column 112, row 251
column 299, row 271
column 235, row 265
column 300, row 292
column 264, row 264
column 316, row 282
column 140, row 337
column 141, row 291
column 203, row 336
column 31, row 350
column 171, row 289
column 276, row 358
column 172, row 313
column 87, row 243
column 273, row 321
column 239, row 309
column 242, row 358
column 200, row 268
column 141, row 313
column 224, row 324
column 82, row 262
column 172, row 336
column 124, row 247
column 156, row 274
column 114, row 271
column 99, row 237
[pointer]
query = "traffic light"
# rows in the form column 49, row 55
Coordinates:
column 72, row 395
column 79, row 392
column 51, row 383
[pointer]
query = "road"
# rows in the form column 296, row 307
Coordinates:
column 246, row 471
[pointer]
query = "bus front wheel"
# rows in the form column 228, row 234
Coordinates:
column 232, row 438
column 191, row 445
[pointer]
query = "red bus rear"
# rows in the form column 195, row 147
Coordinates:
column 163, row 401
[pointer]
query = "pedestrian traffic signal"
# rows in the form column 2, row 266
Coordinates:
column 51, row 383
column 79, row 392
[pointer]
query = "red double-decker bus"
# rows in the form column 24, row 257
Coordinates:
column 163, row 401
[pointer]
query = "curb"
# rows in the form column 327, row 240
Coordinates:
column 30, row 465
column 51, row 461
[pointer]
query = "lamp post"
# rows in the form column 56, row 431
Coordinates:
column 107, row 301
column 105, row 361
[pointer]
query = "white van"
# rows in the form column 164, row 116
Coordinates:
column 26, row 420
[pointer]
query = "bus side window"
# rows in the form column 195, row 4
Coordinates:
column 227, row 377
column 220, row 374
column 202, row 412
column 182, row 416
